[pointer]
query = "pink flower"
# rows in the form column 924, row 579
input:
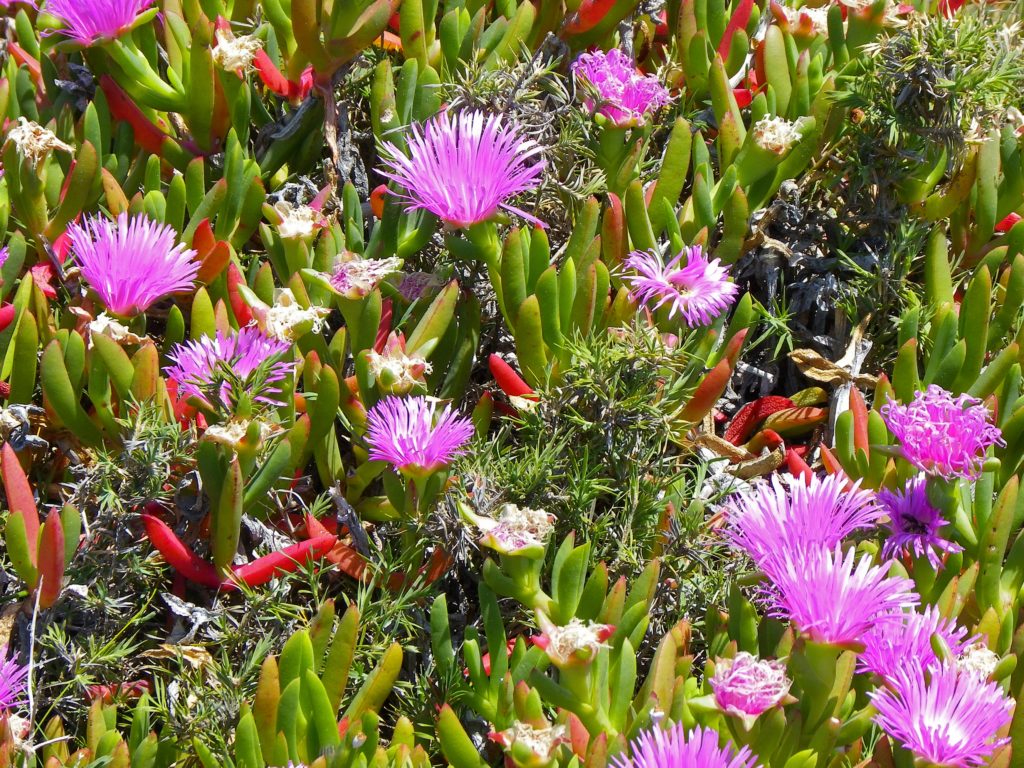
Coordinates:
column 206, row 367
column 623, row 96
column 914, row 524
column 408, row 433
column 747, row 686
column 132, row 263
column 12, row 681
column 941, row 434
column 674, row 747
column 464, row 169
column 893, row 645
column 944, row 716
column 833, row 599
column 699, row 291
column 90, row 20
column 787, row 515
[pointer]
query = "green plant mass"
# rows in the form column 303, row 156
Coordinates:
column 511, row 383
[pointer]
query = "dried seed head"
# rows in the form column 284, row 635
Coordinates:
column 979, row 660
column 542, row 742
column 287, row 321
column 299, row 221
column 516, row 529
column 574, row 643
column 236, row 53
column 776, row 134
column 109, row 326
column 33, row 141
column 395, row 371
column 357, row 278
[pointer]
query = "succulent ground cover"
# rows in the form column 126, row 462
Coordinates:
column 511, row 382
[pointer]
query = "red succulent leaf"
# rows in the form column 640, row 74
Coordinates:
column 738, row 21
column 243, row 314
column 511, row 383
column 797, row 466
column 147, row 135
column 177, row 554
column 287, row 560
column 1008, row 223
column 750, row 415
column 6, row 318
column 589, row 15
column 19, row 496
column 51, row 560
column 377, row 200
column 384, row 329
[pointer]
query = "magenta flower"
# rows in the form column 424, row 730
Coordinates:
column 893, row 645
column 408, row 433
column 131, row 263
column 674, row 747
column 787, row 514
column 942, row 715
column 941, row 434
column 747, row 686
column 834, row 599
column 623, row 95
column 90, row 20
column 914, row 524
column 12, row 681
column 464, row 170
column 699, row 291
column 206, row 368
column 4, row 253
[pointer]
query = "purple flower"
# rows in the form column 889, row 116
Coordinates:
column 89, row 20
column 202, row 366
column 833, row 599
column 699, row 291
column 747, row 686
column 941, row 434
column 942, row 715
column 131, row 263
column 892, row 645
column 408, row 433
column 623, row 96
column 915, row 524
column 673, row 747
column 464, row 170
column 12, row 681
column 4, row 253
column 788, row 514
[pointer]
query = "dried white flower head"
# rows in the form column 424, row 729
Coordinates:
column 110, row 326
column 394, row 370
column 298, row 221
column 356, row 278
column 236, row 53
column 416, row 284
column 776, row 134
column 33, row 141
column 573, row 644
column 542, row 742
column 232, row 433
column 978, row 659
column 818, row 17
column 518, row 528
column 288, row 321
